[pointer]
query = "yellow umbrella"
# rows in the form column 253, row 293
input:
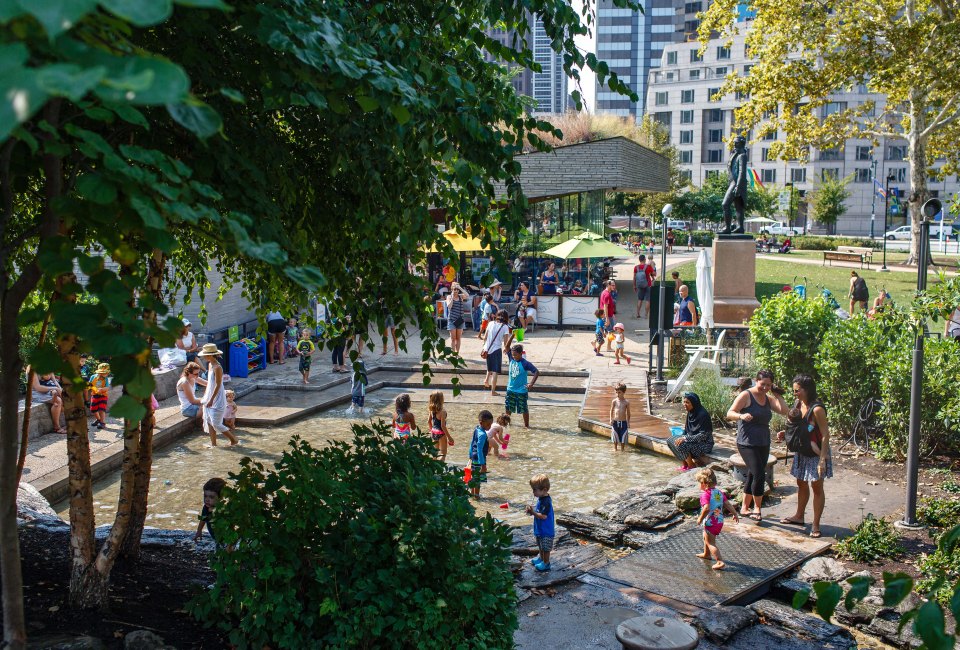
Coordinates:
column 461, row 243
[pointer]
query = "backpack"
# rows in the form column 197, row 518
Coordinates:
column 860, row 289
column 797, row 433
column 640, row 276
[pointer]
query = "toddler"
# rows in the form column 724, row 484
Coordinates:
column 99, row 392
column 499, row 436
column 620, row 418
column 479, row 448
column 438, row 425
column 618, row 341
column 358, row 387
column 211, row 495
column 713, row 502
column 290, row 338
column 543, row 528
column 795, row 420
column 230, row 412
column 403, row 420
column 600, row 333
column 305, row 348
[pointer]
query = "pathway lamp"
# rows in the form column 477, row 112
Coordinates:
column 886, row 209
column 666, row 212
column 873, row 205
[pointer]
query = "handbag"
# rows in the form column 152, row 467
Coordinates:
column 483, row 354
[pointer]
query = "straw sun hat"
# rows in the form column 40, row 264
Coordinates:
column 103, row 367
column 209, row 350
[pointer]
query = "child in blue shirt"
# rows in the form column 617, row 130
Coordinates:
column 517, row 386
column 543, row 526
column 601, row 332
column 479, row 448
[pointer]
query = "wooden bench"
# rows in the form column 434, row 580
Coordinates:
column 863, row 250
column 830, row 256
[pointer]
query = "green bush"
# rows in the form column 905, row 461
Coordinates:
column 874, row 539
column 850, row 364
column 815, row 243
column 786, row 332
column 939, row 513
column 939, row 575
column 700, row 237
column 715, row 396
column 373, row 544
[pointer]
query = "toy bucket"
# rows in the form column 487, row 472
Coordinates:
column 676, row 432
column 518, row 334
column 467, row 474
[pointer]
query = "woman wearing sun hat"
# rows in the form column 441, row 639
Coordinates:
column 214, row 399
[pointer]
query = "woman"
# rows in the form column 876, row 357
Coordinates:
column 549, row 280
column 187, row 390
column 752, row 410
column 498, row 338
column 455, row 319
column 810, row 471
column 276, row 328
column 526, row 305
column 46, row 389
column 858, row 293
column 187, row 341
column 697, row 439
column 496, row 290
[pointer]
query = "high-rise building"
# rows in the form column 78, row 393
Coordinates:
column 523, row 78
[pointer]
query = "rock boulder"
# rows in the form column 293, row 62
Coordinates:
column 31, row 505
column 803, row 624
column 720, row 623
column 823, row 569
column 638, row 510
column 592, row 527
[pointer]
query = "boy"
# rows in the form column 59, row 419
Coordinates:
column 543, row 528
column 358, row 388
column 600, row 333
column 99, row 392
column 211, row 495
column 517, row 386
column 620, row 417
column 479, row 446
column 305, row 349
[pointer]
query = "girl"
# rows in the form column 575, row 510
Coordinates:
column 403, row 421
column 713, row 503
column 230, row 412
column 46, row 388
column 619, row 339
column 498, row 436
column 99, row 391
column 455, row 320
column 290, row 338
column 438, row 425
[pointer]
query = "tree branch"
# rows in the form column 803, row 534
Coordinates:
column 941, row 121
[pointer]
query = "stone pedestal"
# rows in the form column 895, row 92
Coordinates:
column 734, row 280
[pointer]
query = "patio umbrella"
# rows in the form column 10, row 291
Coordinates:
column 760, row 220
column 586, row 245
column 461, row 243
column 705, row 287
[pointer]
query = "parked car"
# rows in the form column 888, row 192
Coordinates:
column 950, row 231
column 780, row 229
column 903, row 232
column 676, row 224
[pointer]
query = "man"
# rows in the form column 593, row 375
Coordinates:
column 737, row 190
column 609, row 306
column 643, row 284
column 214, row 399
column 687, row 312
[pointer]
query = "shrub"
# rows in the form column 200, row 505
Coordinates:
column 786, row 332
column 938, row 513
column 373, row 544
column 815, row 243
column 700, row 237
column 933, row 569
column 874, row 539
column 715, row 396
column 850, row 364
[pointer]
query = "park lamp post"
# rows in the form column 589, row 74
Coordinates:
column 790, row 207
column 666, row 212
column 930, row 209
column 873, row 204
column 886, row 204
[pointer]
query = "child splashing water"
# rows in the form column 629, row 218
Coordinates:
column 403, row 421
column 499, row 438
column 438, row 425
column 713, row 502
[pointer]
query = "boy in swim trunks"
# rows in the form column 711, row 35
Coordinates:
column 305, row 348
column 479, row 447
column 620, row 418
column 713, row 502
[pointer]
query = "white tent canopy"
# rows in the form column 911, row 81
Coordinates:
column 705, row 287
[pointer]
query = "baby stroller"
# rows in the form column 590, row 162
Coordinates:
column 827, row 295
column 799, row 289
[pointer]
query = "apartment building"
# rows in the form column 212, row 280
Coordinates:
column 682, row 95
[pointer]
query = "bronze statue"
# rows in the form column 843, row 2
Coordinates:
column 737, row 191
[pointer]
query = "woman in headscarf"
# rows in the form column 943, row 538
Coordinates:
column 697, row 439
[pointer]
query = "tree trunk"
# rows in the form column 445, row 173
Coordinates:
column 27, row 403
column 917, row 155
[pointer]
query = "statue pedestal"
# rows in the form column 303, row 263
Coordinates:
column 734, row 280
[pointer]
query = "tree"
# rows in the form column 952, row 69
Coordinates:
column 763, row 201
column 906, row 52
column 828, row 200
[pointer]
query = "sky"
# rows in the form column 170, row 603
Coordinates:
column 587, row 44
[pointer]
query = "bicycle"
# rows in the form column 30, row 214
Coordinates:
column 863, row 428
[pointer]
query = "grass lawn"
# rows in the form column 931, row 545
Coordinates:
column 772, row 276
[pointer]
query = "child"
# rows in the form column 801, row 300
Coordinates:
column 99, row 392
column 517, row 386
column 211, row 495
column 403, row 421
column 479, row 448
column 487, row 313
column 438, row 425
column 358, row 389
column 620, row 417
column 499, row 436
column 230, row 412
column 676, row 285
column 305, row 348
column 290, row 338
column 619, row 339
column 88, row 367
column 600, row 334
column 713, row 502
column 543, row 528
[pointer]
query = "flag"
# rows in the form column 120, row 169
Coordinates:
column 879, row 189
column 754, row 178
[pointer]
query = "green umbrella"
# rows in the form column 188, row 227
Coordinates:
column 586, row 246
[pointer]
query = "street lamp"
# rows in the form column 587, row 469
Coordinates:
column 873, row 204
column 930, row 209
column 790, row 210
column 886, row 205
column 666, row 212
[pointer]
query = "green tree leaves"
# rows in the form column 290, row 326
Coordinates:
column 142, row 13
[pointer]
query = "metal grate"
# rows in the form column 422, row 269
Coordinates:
column 670, row 568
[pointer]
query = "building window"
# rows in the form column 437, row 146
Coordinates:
column 768, row 175
column 694, row 75
column 690, row 28
column 723, row 53
column 715, row 155
column 798, row 175
column 671, row 58
column 686, row 175
column 746, row 69
column 770, row 137
column 831, row 108
column 712, row 94
column 741, row 96
column 686, row 96
column 896, row 152
column 864, row 152
column 832, row 153
column 765, row 155
column 662, row 99
column 715, row 115
column 721, row 71
column 686, row 137
column 686, row 157
column 686, row 117
column 692, row 7
column 695, row 56
column 862, row 175
column 715, row 135
column 899, row 174
column 830, row 172
column 710, row 173
column 663, row 117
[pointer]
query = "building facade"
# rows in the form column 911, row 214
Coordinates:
column 549, row 87
column 682, row 95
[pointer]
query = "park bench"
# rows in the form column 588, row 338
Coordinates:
column 863, row 250
column 845, row 256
